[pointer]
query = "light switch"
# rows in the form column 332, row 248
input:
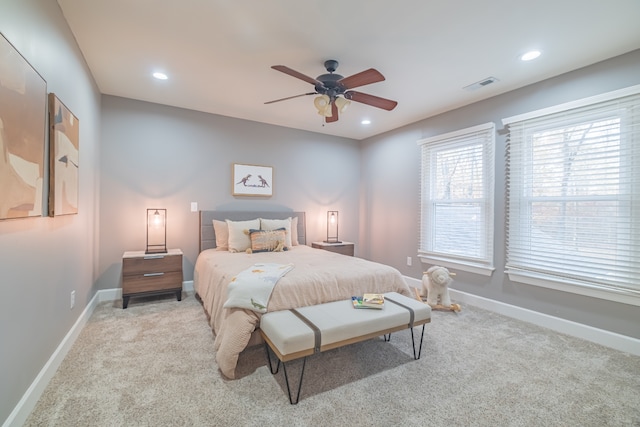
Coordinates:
column 194, row 206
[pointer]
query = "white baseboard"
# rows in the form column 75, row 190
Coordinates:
column 30, row 398
column 188, row 286
column 116, row 293
column 28, row 401
column 578, row 330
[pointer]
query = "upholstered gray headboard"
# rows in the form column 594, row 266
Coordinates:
column 208, row 236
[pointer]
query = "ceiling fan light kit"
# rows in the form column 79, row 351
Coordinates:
column 323, row 105
column 342, row 104
column 335, row 90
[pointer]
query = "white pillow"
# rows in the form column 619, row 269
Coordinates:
column 239, row 240
column 222, row 235
column 294, row 231
column 274, row 224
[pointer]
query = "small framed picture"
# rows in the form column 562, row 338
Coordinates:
column 252, row 180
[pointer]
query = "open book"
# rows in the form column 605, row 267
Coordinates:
column 368, row 301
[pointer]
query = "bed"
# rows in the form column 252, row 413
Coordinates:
column 317, row 276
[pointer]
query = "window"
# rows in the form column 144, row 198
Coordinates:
column 573, row 197
column 456, row 226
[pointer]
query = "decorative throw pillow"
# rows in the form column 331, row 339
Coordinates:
column 267, row 240
column 221, row 230
column 274, row 224
column 239, row 234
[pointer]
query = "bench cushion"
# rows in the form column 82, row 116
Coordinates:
column 339, row 324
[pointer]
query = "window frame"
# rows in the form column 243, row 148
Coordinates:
column 591, row 114
column 430, row 147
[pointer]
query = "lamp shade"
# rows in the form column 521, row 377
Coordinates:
column 332, row 227
column 323, row 105
column 156, row 231
column 342, row 104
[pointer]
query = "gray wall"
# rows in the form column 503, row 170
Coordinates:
column 43, row 259
column 158, row 156
column 135, row 155
column 389, row 213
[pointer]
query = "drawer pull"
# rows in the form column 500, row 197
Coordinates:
column 154, row 257
column 152, row 274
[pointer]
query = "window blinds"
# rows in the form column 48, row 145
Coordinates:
column 457, row 196
column 573, row 195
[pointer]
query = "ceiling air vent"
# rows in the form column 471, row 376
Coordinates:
column 481, row 83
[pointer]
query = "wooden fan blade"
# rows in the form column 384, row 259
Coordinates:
column 334, row 114
column 290, row 97
column 374, row 101
column 296, row 74
column 364, row 78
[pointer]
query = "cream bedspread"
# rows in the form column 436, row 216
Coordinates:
column 318, row 276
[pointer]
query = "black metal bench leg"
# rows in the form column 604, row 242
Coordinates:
column 286, row 377
column 266, row 348
column 413, row 343
column 387, row 337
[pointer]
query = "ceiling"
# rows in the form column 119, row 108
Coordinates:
column 218, row 53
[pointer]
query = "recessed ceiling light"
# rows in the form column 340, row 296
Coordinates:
column 160, row 76
column 366, row 122
column 532, row 54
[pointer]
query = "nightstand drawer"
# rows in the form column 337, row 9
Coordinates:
column 151, row 264
column 147, row 282
column 344, row 248
column 341, row 249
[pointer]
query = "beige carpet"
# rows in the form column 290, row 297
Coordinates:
column 153, row 365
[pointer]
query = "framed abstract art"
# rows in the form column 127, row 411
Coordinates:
column 23, row 114
column 64, row 150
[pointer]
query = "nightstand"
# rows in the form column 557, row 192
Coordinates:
column 149, row 274
column 344, row 248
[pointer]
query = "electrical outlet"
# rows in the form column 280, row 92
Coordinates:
column 73, row 298
column 194, row 206
column 409, row 261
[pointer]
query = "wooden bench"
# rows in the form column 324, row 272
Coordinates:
column 301, row 332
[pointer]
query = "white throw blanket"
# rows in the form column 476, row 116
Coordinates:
column 251, row 288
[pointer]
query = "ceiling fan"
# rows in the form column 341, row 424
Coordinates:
column 335, row 90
